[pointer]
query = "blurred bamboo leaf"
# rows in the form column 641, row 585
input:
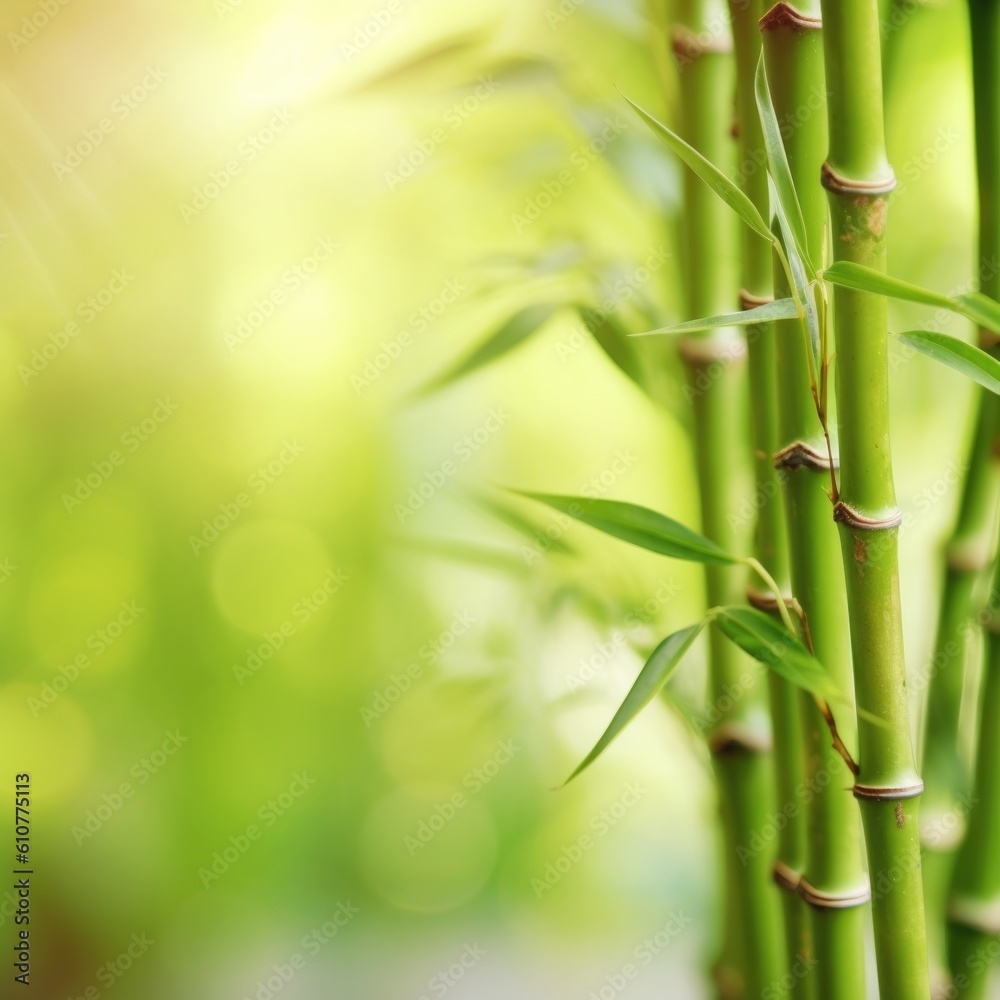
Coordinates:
column 653, row 676
column 507, row 514
column 509, row 334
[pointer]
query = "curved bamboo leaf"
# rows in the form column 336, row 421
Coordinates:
column 640, row 526
column 709, row 173
column 509, row 335
column 779, row 309
column 777, row 164
column 653, row 676
column 957, row 355
column 768, row 641
column 612, row 338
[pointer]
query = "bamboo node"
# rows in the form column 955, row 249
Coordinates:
column 839, row 184
column 784, row 15
column 688, row 45
column 750, row 301
column 821, row 900
column 846, row 514
column 968, row 557
column 733, row 738
column 785, row 876
column 980, row 916
column 699, row 352
column 766, row 601
column 887, row 794
column 799, row 455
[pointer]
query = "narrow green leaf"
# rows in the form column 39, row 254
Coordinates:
column 957, row 355
column 653, row 676
column 509, row 335
column 768, row 641
column 779, row 309
column 777, row 163
column 981, row 309
column 640, row 526
column 709, row 173
column 866, row 279
column 799, row 279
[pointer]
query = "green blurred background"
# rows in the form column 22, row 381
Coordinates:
column 236, row 237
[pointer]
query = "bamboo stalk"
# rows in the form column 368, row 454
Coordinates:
column 972, row 543
column 770, row 539
column 974, row 910
column 833, row 879
column 858, row 180
column 716, row 363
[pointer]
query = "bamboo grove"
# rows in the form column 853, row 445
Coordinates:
column 809, row 606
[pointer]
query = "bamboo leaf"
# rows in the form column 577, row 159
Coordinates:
column 653, row 676
column 799, row 279
column 777, row 163
column 640, row 526
column 779, row 309
column 768, row 641
column 847, row 274
column 981, row 309
column 957, row 355
column 510, row 334
column 612, row 338
column 709, row 173
column 513, row 518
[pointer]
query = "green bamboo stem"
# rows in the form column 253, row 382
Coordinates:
column 858, row 179
column 715, row 363
column 946, row 773
column 833, row 878
column 974, row 910
column 770, row 538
